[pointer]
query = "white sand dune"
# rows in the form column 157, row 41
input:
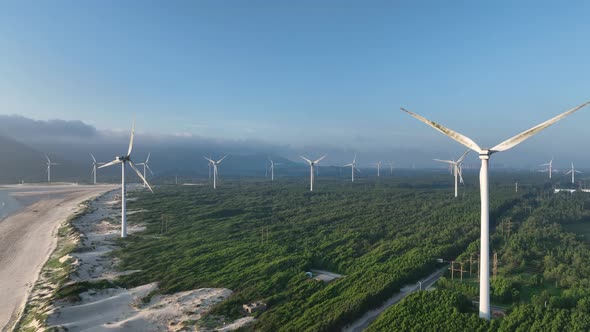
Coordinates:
column 120, row 309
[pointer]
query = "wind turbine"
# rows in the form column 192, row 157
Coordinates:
column 146, row 167
column 353, row 167
column 123, row 160
column 49, row 163
column 311, row 164
column 456, row 168
column 94, row 164
column 215, row 164
column 573, row 171
column 390, row 168
column 550, row 165
column 209, row 166
column 378, row 164
column 272, row 169
column 484, row 156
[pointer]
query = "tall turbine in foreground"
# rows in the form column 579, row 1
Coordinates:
column 215, row 164
column 94, row 164
column 311, row 165
column 550, row 166
column 123, row 160
column 146, row 166
column 484, row 156
column 573, row 171
column 353, row 167
column 49, row 163
column 457, row 169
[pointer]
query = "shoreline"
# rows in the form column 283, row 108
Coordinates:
column 30, row 236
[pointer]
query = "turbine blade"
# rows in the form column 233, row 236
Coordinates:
column 468, row 142
column 460, row 174
column 317, row 161
column 578, row 171
column 47, row 158
column 131, row 139
column 114, row 162
column 94, row 159
column 348, row 165
column 140, row 175
column 149, row 169
column 210, row 160
column 511, row 142
column 218, row 162
column 444, row 161
column 302, row 157
column 460, row 160
column 568, row 173
column 148, row 158
column 358, row 169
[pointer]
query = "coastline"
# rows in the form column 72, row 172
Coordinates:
column 29, row 236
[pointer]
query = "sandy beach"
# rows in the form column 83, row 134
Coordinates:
column 27, row 236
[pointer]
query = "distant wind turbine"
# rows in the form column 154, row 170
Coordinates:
column 353, row 167
column 456, row 168
column 209, row 167
column 272, row 169
column 550, row 167
column 94, row 164
column 378, row 165
column 573, row 171
column 49, row 163
column 146, row 166
column 123, row 160
column 215, row 164
column 311, row 165
column 484, row 156
column 390, row 168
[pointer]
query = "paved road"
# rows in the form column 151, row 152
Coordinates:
column 364, row 322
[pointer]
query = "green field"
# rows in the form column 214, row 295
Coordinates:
column 379, row 234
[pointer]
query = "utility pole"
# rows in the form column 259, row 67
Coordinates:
column 165, row 218
column 495, row 269
column 453, row 269
column 478, row 267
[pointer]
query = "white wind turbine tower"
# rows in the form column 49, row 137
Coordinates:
column 123, row 160
column 94, row 164
column 390, row 168
column 456, row 168
column 209, row 167
column 484, row 156
column 49, row 163
column 311, row 165
column 215, row 164
column 378, row 165
column 550, row 165
column 353, row 167
column 146, row 166
column 573, row 171
column 272, row 169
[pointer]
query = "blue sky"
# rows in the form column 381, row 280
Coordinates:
column 302, row 73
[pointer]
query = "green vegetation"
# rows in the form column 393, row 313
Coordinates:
column 543, row 273
column 380, row 234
